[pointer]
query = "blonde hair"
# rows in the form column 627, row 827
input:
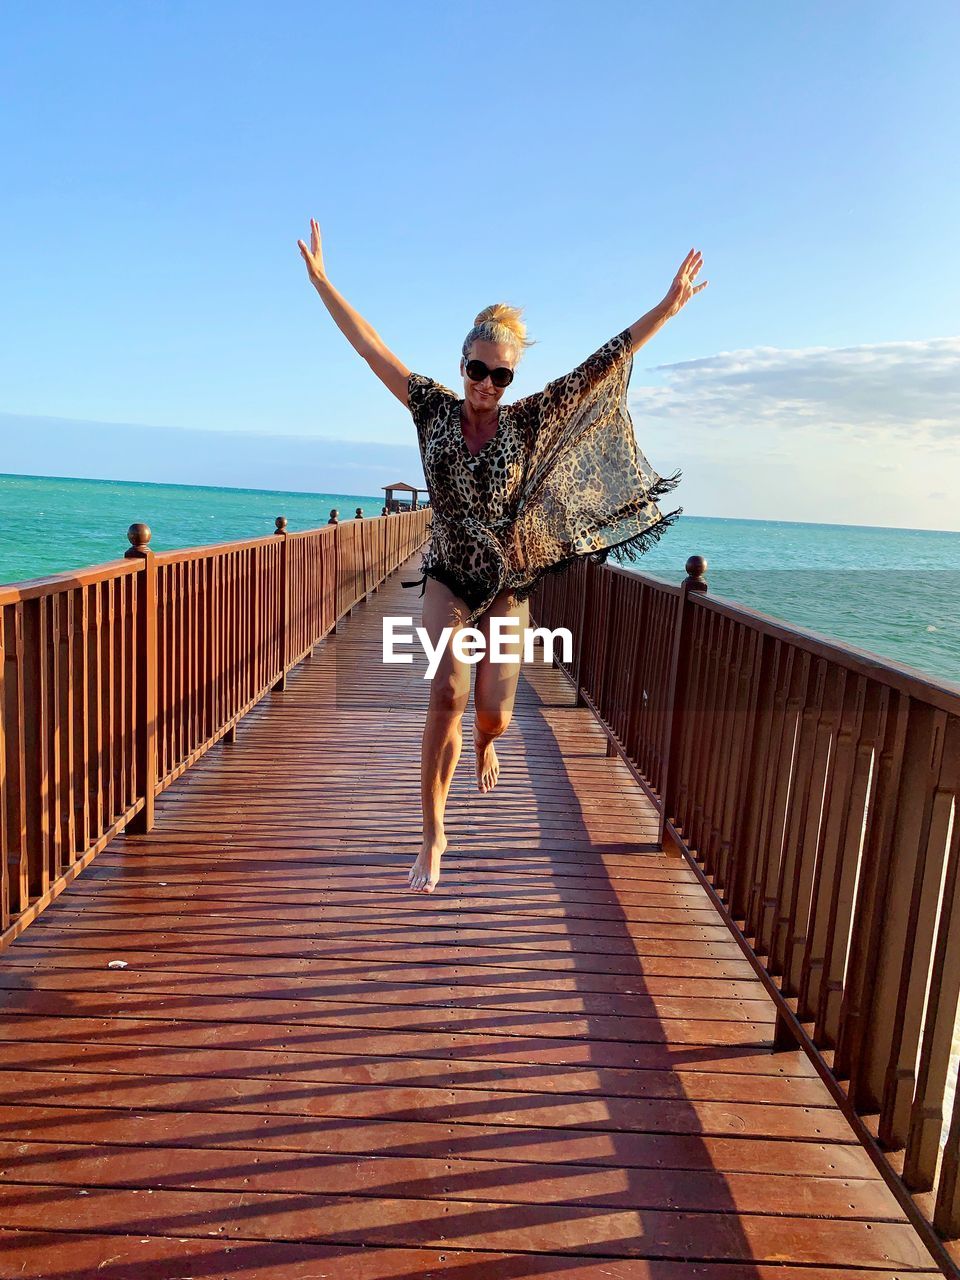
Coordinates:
column 499, row 323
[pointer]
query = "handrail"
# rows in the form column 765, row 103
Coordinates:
column 815, row 789
column 116, row 678
column 31, row 588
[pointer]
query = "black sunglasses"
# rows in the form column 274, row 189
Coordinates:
column 477, row 371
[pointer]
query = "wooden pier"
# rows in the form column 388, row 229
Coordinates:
column 238, row 1046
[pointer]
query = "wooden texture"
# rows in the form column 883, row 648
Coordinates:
column 815, row 787
column 558, row 1065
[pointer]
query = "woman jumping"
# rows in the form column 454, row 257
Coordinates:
column 516, row 492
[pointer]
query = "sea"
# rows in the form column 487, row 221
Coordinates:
column 892, row 592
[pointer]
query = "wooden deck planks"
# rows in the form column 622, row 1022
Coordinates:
column 557, row 1065
column 152, row 1257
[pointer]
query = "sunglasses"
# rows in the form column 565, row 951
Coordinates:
column 477, row 371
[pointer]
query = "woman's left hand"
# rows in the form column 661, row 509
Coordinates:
column 683, row 287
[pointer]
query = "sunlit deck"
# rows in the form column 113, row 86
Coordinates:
column 560, row 1064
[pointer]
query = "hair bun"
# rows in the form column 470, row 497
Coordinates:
column 502, row 315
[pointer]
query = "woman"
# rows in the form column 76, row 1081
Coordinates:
column 517, row 491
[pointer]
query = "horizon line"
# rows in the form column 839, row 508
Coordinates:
column 310, row 493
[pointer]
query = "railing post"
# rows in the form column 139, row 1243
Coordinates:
column 284, row 604
column 696, row 567
column 146, row 667
column 35, row 835
column 362, row 527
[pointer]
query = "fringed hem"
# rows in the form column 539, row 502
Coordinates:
column 630, row 549
column 664, row 484
column 521, row 593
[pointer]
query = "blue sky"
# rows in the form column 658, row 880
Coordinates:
column 161, row 160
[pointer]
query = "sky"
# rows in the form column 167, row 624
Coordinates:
column 161, row 160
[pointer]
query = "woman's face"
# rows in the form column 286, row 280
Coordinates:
column 484, row 396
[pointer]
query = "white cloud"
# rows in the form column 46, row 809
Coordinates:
column 908, row 388
column 867, row 434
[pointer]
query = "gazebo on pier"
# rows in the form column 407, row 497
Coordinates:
column 395, row 504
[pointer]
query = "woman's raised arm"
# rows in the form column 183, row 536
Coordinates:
column 363, row 337
column 678, row 295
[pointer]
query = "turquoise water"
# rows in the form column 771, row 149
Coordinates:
column 894, row 592
column 48, row 524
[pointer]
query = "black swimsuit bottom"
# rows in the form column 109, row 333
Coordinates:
column 470, row 591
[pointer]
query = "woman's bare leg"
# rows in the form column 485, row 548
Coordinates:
column 496, row 686
column 442, row 733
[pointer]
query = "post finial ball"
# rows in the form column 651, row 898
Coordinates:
column 696, row 567
column 138, row 535
column 281, row 523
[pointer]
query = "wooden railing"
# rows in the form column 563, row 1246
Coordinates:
column 115, row 679
column 814, row 788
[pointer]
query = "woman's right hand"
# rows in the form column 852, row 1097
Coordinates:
column 313, row 256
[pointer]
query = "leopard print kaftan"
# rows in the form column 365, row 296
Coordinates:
column 562, row 477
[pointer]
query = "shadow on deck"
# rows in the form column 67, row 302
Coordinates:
column 559, row 1065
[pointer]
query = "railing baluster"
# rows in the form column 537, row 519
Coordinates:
column 57, row 690
column 940, row 1025
column 146, row 676
column 867, row 914
column 81, row 666
column 194, row 596
column 835, row 741
column 866, row 717
column 693, row 795
column 801, row 824
column 6, row 840
column 283, row 602
column 584, row 631
column 36, row 760
column 776, row 790
column 748, row 816
column 911, row 920
column 16, row 866
column 714, row 742
column 737, row 781
column 118, row 595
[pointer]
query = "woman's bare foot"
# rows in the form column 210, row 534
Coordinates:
column 488, row 766
column 425, row 872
